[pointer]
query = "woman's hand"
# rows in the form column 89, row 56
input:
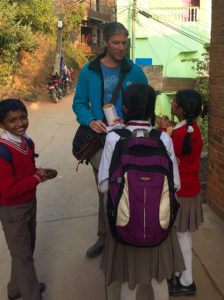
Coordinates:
column 116, row 121
column 98, row 126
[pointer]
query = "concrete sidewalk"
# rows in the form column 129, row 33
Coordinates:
column 67, row 222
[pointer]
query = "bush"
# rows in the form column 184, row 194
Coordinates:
column 37, row 14
column 13, row 37
column 203, row 125
column 202, row 86
column 74, row 57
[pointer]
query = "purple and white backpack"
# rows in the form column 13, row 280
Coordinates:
column 141, row 204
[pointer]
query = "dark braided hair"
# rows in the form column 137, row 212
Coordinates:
column 139, row 99
column 191, row 102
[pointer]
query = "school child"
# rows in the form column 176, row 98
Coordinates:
column 187, row 141
column 135, row 265
column 18, row 180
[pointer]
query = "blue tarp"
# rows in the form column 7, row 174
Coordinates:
column 143, row 61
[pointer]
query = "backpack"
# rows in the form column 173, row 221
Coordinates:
column 141, row 205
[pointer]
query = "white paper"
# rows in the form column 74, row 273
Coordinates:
column 110, row 114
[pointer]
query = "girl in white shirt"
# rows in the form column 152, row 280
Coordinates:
column 134, row 265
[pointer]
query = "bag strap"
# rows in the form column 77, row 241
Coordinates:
column 30, row 145
column 117, row 89
column 155, row 133
column 5, row 153
column 123, row 132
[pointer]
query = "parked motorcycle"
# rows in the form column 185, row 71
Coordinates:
column 66, row 84
column 55, row 87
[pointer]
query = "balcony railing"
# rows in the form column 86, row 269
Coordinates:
column 176, row 14
column 103, row 16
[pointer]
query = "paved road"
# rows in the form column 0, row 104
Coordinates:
column 67, row 221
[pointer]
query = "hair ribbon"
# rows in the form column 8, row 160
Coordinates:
column 190, row 129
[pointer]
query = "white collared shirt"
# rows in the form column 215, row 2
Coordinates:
column 12, row 137
column 111, row 140
column 180, row 124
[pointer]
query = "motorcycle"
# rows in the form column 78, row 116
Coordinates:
column 66, row 84
column 55, row 87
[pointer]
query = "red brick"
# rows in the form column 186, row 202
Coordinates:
column 217, row 122
column 215, row 178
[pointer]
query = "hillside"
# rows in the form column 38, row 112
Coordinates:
column 30, row 82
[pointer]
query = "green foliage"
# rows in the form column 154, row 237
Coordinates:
column 203, row 125
column 73, row 17
column 13, row 37
column 37, row 14
column 23, row 22
column 19, row 20
column 201, row 66
column 74, row 57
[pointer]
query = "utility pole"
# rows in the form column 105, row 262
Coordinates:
column 115, row 9
column 60, row 25
column 57, row 62
column 133, row 29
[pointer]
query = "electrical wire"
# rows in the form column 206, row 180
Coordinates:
column 119, row 12
column 153, row 51
column 162, row 5
column 206, row 26
column 184, row 32
column 171, row 26
column 147, row 15
column 167, row 36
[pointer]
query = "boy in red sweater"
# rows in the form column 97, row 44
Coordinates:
column 18, row 180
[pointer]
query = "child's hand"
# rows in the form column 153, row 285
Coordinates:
column 178, row 161
column 47, row 173
column 50, row 173
column 165, row 121
column 42, row 173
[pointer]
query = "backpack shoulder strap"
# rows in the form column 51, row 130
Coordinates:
column 155, row 133
column 5, row 153
column 30, row 145
column 123, row 132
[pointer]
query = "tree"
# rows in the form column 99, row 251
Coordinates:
column 201, row 66
column 37, row 14
column 13, row 37
column 202, row 86
column 73, row 16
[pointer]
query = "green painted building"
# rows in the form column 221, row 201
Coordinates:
column 168, row 33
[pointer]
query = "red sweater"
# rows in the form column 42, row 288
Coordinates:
column 18, row 180
column 190, row 163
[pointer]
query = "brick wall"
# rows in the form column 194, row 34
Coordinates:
column 172, row 84
column 154, row 75
column 155, row 78
column 215, row 175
